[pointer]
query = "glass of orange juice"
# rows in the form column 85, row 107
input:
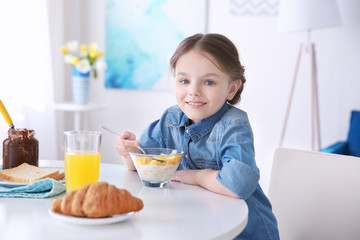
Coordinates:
column 82, row 158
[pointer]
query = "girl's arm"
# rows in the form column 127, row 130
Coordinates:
column 205, row 178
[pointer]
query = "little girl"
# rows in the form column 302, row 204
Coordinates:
column 215, row 136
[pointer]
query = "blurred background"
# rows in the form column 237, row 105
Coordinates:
column 34, row 77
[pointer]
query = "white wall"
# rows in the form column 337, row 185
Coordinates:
column 269, row 59
column 26, row 84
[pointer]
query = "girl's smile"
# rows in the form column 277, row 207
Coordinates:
column 195, row 104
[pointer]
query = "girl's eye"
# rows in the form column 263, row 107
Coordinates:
column 184, row 81
column 209, row 82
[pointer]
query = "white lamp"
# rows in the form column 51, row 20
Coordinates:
column 307, row 15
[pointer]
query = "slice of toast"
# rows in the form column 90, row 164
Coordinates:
column 61, row 174
column 28, row 173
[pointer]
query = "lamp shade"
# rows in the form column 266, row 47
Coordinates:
column 297, row 15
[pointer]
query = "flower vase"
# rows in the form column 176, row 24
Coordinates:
column 80, row 86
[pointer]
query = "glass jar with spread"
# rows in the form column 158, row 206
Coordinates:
column 20, row 147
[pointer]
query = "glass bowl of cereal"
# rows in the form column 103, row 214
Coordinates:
column 156, row 166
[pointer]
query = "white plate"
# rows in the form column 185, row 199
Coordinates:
column 91, row 221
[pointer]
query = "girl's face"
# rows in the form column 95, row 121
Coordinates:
column 201, row 88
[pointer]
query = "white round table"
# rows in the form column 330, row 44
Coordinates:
column 178, row 211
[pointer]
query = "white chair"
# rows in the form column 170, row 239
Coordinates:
column 315, row 196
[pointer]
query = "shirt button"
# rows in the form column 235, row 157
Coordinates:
column 187, row 130
column 186, row 156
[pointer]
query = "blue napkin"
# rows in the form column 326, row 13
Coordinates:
column 40, row 189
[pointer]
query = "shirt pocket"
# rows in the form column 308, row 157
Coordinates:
column 203, row 163
column 203, row 154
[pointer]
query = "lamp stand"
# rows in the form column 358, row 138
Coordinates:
column 315, row 120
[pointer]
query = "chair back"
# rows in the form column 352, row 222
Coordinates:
column 354, row 134
column 315, row 195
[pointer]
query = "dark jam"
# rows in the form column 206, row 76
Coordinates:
column 20, row 147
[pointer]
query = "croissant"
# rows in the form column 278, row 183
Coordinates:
column 97, row 200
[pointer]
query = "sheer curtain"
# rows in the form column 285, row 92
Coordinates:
column 26, row 76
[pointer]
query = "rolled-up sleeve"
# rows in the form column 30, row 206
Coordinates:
column 239, row 172
column 238, row 178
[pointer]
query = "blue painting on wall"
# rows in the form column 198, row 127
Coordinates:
column 141, row 36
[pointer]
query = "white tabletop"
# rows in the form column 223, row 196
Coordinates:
column 178, row 211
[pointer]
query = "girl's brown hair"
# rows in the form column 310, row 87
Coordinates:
column 221, row 49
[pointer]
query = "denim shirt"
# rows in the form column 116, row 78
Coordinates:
column 223, row 141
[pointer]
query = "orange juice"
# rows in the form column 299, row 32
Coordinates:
column 81, row 168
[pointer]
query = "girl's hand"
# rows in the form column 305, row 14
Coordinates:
column 125, row 143
column 186, row 176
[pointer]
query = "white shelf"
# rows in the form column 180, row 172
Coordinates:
column 71, row 107
column 80, row 112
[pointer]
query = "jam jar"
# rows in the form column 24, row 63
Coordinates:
column 20, row 147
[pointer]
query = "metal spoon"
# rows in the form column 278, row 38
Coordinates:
column 111, row 131
column 142, row 150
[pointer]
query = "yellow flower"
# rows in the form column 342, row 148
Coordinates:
column 95, row 54
column 74, row 60
column 99, row 54
column 93, row 46
column 64, row 49
column 83, row 48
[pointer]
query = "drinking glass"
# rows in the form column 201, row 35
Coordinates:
column 82, row 158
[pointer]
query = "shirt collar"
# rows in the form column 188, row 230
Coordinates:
column 203, row 127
